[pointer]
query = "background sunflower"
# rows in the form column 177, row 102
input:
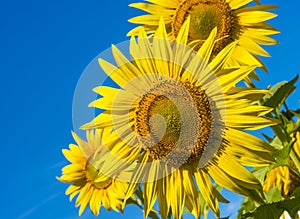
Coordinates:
column 236, row 20
column 88, row 176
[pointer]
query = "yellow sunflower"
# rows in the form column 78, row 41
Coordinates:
column 285, row 179
column 89, row 160
column 233, row 18
column 186, row 116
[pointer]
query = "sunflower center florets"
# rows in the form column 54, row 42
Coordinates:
column 91, row 175
column 205, row 16
column 173, row 120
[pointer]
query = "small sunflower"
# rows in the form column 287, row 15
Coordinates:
column 233, row 18
column 85, row 174
column 186, row 116
column 283, row 177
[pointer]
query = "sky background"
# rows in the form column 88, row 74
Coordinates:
column 44, row 48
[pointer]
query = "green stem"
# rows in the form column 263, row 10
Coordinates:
column 286, row 106
column 295, row 158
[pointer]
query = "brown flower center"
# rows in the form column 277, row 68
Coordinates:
column 205, row 16
column 91, row 175
column 174, row 120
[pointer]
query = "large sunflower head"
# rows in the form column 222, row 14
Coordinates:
column 185, row 114
column 234, row 20
column 89, row 161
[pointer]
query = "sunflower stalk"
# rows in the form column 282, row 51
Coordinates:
column 295, row 159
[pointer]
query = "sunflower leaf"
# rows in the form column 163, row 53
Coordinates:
column 273, row 195
column 282, row 156
column 248, row 205
column 275, row 209
column 260, row 173
column 292, row 126
column 276, row 143
column 280, row 93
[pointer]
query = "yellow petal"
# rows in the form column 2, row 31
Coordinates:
column 150, row 191
column 166, row 3
column 101, row 121
column 253, row 17
column 238, row 172
column 218, row 62
column 243, row 57
column 207, row 47
column 229, row 80
column 234, row 4
column 152, row 8
column 177, row 198
column 183, row 34
column 85, row 201
column 148, row 19
column 250, row 122
column 252, row 46
column 222, row 179
column 257, row 8
column 95, row 202
column 162, row 201
column 238, row 137
column 206, row 189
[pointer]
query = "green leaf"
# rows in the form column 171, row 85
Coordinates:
column 282, row 156
column 294, row 126
column 263, row 212
column 260, row 173
column 280, row 133
column 280, row 93
column 273, row 195
column 276, row 143
column 248, row 205
column 275, row 209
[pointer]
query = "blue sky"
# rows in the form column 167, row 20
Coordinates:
column 44, row 47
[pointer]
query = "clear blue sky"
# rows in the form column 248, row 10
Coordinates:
column 44, row 47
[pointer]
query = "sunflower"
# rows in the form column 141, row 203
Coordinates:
column 89, row 160
column 186, row 116
column 283, row 177
column 233, row 18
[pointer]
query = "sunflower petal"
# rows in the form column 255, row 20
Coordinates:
column 177, row 198
column 234, row 4
column 206, row 189
column 253, row 17
column 238, row 172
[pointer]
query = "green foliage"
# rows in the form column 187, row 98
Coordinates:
column 248, row 205
column 280, row 93
column 284, row 155
column 275, row 209
column 260, row 173
column 273, row 195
